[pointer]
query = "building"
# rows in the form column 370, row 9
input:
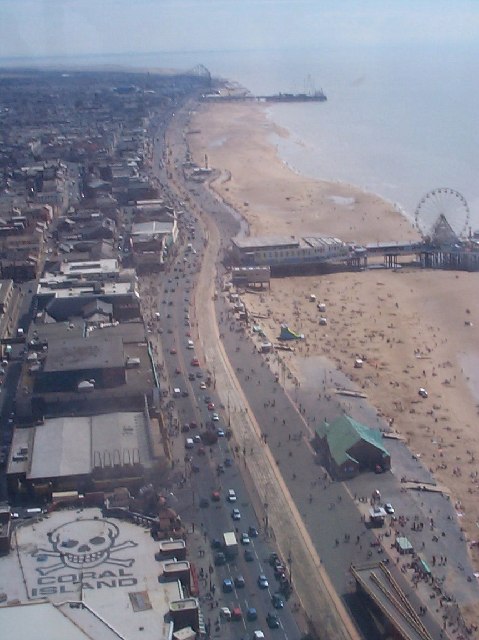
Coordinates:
column 280, row 252
column 151, row 242
column 84, row 366
column 56, row 582
column 87, row 453
column 9, row 301
column 348, row 447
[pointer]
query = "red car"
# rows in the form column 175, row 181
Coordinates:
column 173, row 351
column 194, row 362
column 211, row 406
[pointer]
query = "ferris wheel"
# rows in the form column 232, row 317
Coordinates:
column 443, row 213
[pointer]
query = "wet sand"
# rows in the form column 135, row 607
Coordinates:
column 412, row 328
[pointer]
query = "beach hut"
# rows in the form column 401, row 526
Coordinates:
column 348, row 447
column 403, row 545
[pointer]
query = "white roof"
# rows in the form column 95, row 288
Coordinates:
column 26, row 622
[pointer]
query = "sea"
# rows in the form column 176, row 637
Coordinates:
column 399, row 121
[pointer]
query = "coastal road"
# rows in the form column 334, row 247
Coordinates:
column 201, row 476
column 317, row 595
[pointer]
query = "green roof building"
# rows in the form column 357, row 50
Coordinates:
column 348, row 447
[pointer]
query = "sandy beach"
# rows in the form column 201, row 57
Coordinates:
column 413, row 328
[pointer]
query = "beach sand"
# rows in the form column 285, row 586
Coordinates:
column 413, row 328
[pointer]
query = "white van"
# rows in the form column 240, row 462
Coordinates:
column 189, row 443
column 190, row 344
column 176, row 392
column 258, row 635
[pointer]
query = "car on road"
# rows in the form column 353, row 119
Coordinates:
column 252, row 532
column 422, row 392
column 220, row 559
column 277, row 600
column 185, row 428
column 211, row 406
column 272, row 621
column 228, row 462
column 185, row 393
column 388, row 508
column 191, row 376
column 195, row 362
column 225, row 613
column 263, row 581
column 245, row 538
column 196, row 439
column 220, row 433
column 172, row 351
column 215, row 417
column 236, row 613
column 215, row 496
column 203, row 385
column 215, row 543
column 227, row 585
column 235, row 514
column 239, row 582
column 231, row 495
column 193, row 425
column 248, row 555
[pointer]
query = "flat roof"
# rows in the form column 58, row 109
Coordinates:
column 77, row 269
column 61, row 447
column 259, row 242
column 36, row 620
column 48, row 564
column 60, row 287
column 69, row 446
column 154, row 227
column 76, row 353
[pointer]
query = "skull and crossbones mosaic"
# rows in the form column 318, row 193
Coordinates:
column 83, row 544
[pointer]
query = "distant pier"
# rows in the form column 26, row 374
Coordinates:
column 315, row 96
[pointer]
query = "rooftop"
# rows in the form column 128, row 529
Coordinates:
column 107, row 582
column 77, row 353
column 70, row 446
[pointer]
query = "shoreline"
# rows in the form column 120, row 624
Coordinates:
column 409, row 326
column 341, row 183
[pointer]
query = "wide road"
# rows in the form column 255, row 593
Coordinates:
column 195, row 475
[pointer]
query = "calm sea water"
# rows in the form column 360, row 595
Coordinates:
column 398, row 122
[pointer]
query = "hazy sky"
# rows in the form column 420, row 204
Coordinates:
column 73, row 27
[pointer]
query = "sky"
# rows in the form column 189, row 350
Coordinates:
column 34, row 28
